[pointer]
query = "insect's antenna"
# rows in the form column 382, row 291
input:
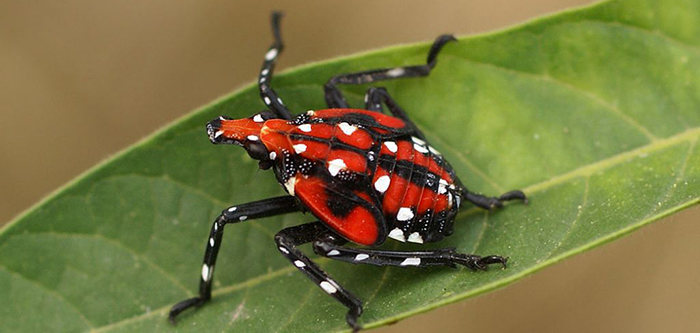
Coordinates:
column 268, row 95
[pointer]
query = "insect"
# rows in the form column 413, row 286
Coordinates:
column 365, row 175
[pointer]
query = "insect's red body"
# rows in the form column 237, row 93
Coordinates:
column 358, row 171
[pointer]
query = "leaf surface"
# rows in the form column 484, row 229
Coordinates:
column 594, row 113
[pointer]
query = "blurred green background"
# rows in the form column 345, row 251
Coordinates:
column 81, row 80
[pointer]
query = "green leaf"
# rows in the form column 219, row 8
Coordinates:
column 594, row 113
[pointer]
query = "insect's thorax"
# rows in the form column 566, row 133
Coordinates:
column 372, row 159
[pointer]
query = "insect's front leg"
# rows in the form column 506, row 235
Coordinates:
column 287, row 242
column 233, row 214
column 374, row 98
column 269, row 96
column 335, row 99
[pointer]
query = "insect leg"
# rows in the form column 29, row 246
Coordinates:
column 492, row 202
column 233, row 214
column 329, row 246
column 287, row 241
column 335, row 99
column 373, row 102
column 268, row 95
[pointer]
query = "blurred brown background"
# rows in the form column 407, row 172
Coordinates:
column 81, row 80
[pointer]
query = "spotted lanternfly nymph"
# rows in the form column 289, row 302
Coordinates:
column 363, row 174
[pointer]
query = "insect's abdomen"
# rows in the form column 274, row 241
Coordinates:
column 364, row 175
column 416, row 187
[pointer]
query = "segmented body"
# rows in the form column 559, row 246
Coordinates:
column 364, row 175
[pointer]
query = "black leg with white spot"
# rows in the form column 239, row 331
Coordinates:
column 373, row 102
column 233, row 214
column 335, row 99
column 287, row 242
column 269, row 96
column 329, row 246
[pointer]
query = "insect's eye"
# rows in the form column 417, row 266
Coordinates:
column 257, row 150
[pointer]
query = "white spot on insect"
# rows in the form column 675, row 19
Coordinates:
column 222, row 118
column 265, row 71
column 449, row 199
column 289, row 185
column 216, row 227
column 411, row 262
column 262, row 79
column 258, row 118
column 271, row 54
column 243, row 218
column 404, row 214
column 415, row 238
column 305, row 128
column 391, row 145
column 347, row 128
column 279, row 100
column 232, row 209
column 419, row 145
column 299, row 148
column 211, row 241
column 253, row 138
column 361, row 257
column 310, row 112
column 218, row 134
column 366, row 98
column 382, row 183
column 332, row 253
column 206, row 272
column 434, row 151
column 283, row 250
column 397, row 234
column 299, row 263
column 420, row 148
column 442, row 187
column 267, row 100
column 329, row 288
column 417, row 140
column 334, row 166
column 395, row 72
column 273, row 155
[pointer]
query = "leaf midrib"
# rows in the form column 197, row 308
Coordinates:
column 584, row 171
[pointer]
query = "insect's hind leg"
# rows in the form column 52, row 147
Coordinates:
column 330, row 246
column 233, row 214
column 287, row 241
column 335, row 99
column 492, row 202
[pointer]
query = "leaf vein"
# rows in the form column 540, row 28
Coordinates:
column 568, row 86
column 116, row 243
column 572, row 225
column 51, row 292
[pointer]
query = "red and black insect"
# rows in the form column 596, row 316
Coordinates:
column 365, row 175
